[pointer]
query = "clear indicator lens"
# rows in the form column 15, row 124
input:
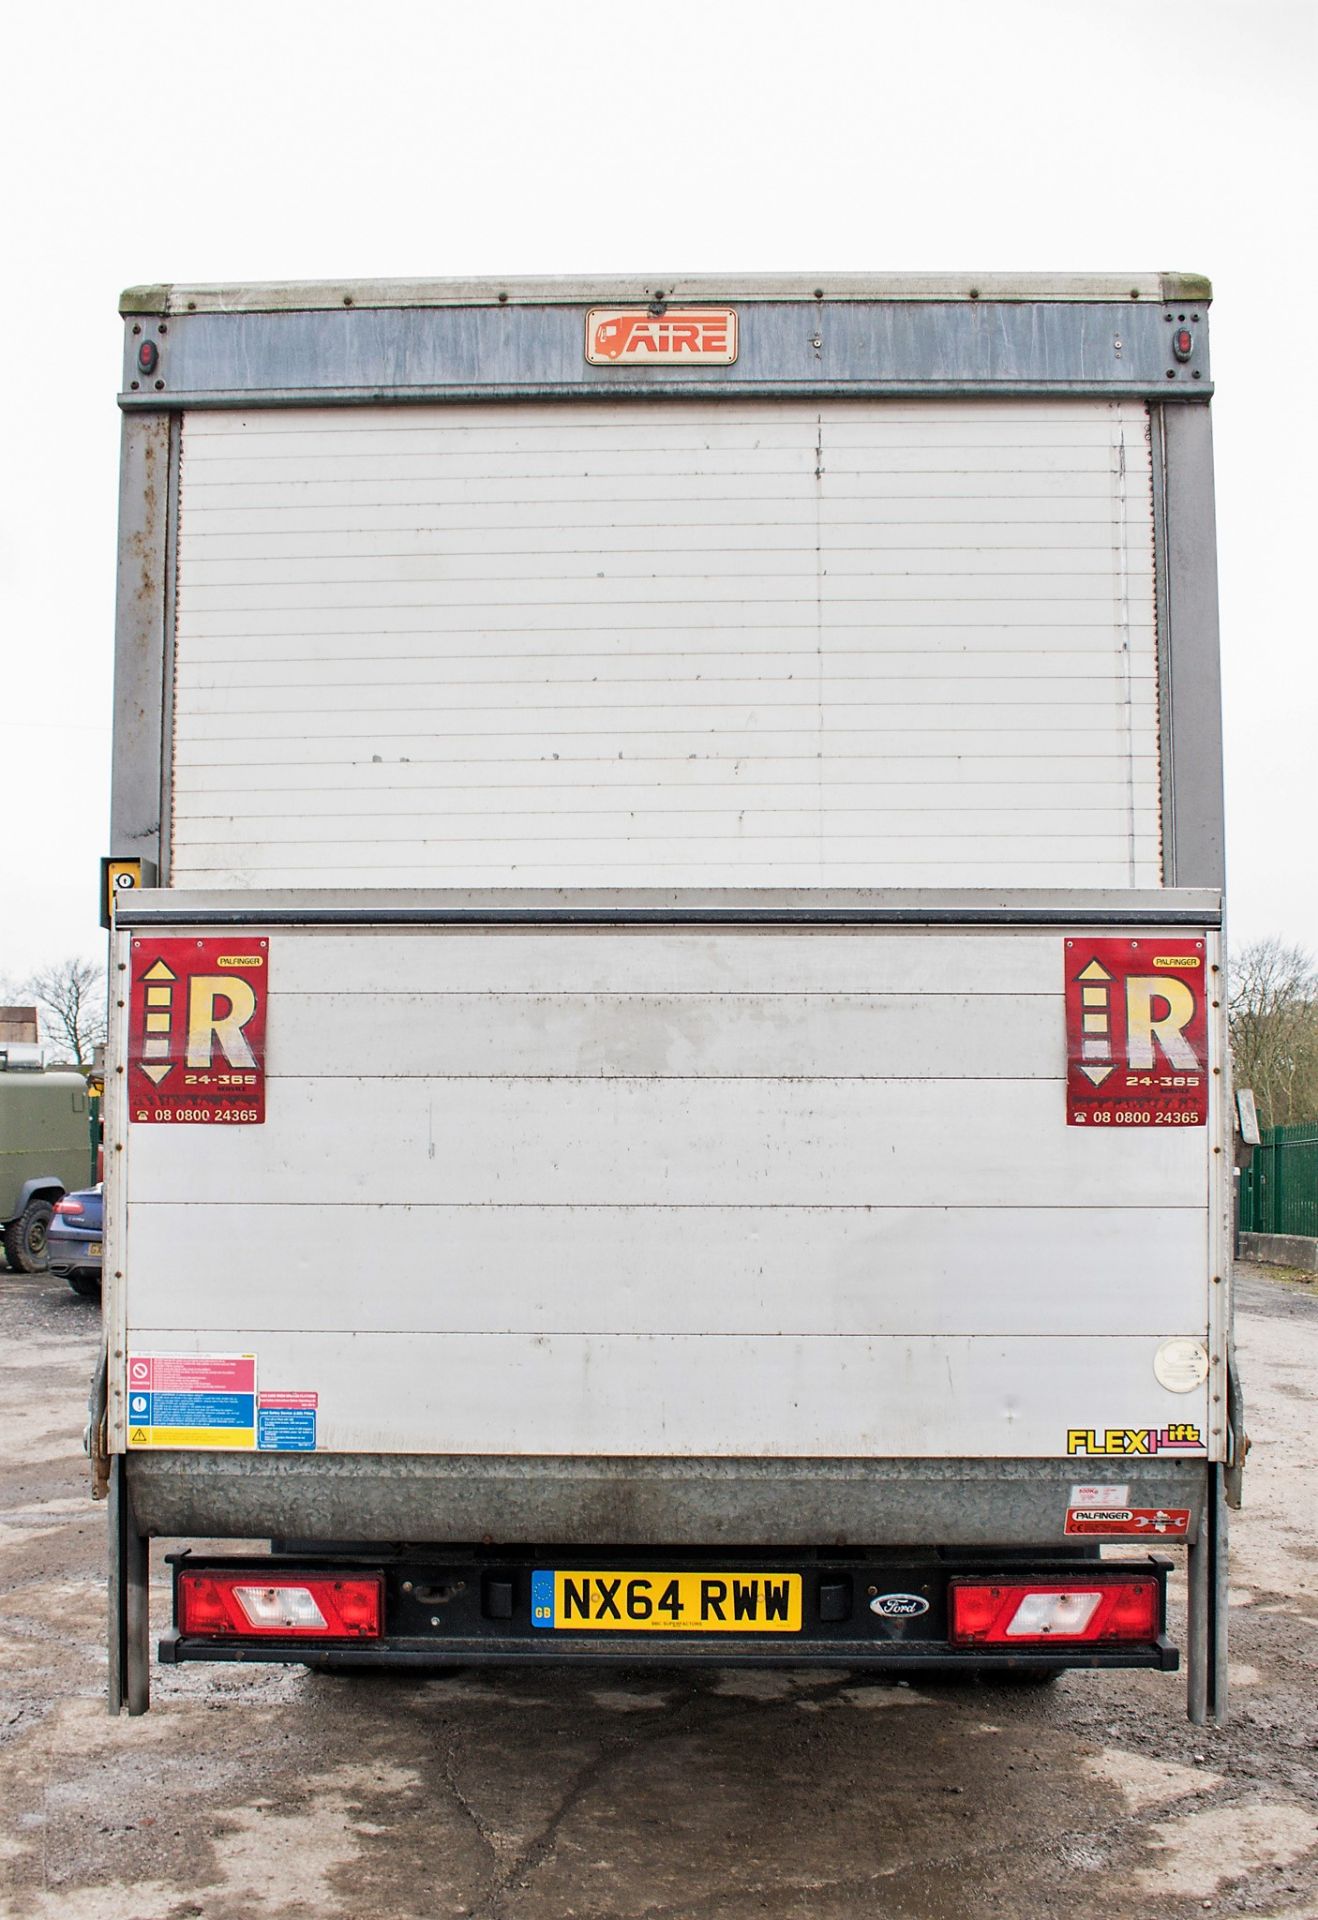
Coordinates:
column 1067, row 1614
column 280, row 1607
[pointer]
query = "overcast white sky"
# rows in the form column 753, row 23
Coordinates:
column 285, row 140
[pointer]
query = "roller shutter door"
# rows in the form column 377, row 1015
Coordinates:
column 860, row 643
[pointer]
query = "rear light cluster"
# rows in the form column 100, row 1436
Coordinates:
column 289, row 1606
column 69, row 1207
column 1033, row 1615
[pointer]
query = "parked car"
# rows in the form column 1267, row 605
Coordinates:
column 74, row 1241
column 45, row 1152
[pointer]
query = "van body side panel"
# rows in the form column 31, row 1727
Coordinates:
column 686, row 1193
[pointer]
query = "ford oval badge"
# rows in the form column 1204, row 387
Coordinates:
column 899, row 1606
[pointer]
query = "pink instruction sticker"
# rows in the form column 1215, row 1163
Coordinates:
column 192, row 1373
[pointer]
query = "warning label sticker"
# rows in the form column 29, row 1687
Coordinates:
column 1094, row 1495
column 286, row 1422
column 1136, row 1032
column 1171, row 1522
column 192, row 1400
column 196, row 1031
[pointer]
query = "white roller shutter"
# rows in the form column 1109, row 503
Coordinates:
column 861, row 643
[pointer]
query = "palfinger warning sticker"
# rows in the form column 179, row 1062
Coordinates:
column 196, row 1031
column 1136, row 1032
column 192, row 1400
column 1171, row 1523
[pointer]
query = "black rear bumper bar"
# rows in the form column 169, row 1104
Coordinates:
column 474, row 1608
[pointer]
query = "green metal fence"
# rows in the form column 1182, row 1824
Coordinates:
column 1279, row 1191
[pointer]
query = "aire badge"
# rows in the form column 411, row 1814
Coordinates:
column 673, row 336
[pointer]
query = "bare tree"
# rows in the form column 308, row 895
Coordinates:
column 1273, row 1017
column 71, row 993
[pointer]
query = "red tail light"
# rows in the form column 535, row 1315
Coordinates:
column 67, row 1207
column 300, row 1606
column 1029, row 1615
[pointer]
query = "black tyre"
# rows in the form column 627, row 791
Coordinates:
column 1025, row 1677
column 86, row 1284
column 26, row 1238
column 950, row 1681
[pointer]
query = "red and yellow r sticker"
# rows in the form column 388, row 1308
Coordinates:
column 1136, row 1033
column 196, row 1031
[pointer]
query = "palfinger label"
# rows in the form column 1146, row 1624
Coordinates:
column 1168, row 1523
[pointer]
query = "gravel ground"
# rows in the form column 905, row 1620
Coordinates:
column 248, row 1793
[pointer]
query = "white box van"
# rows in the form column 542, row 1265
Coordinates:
column 670, row 1091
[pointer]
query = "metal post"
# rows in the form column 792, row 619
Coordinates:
column 129, row 1597
column 1206, row 1650
column 1218, row 1606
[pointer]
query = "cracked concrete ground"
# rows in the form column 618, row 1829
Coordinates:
column 510, row 1795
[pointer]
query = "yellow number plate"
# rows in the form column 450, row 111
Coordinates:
column 667, row 1602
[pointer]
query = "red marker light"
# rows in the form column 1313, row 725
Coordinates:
column 1026, row 1614
column 282, row 1605
column 1182, row 343
column 148, row 354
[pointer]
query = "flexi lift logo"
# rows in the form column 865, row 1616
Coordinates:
column 636, row 336
column 196, row 1031
column 1136, row 1033
column 1181, row 1436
